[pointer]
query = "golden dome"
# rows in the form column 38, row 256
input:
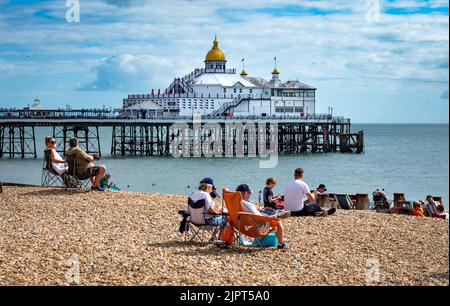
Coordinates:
column 275, row 71
column 215, row 54
column 244, row 73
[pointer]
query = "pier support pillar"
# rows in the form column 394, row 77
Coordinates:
column 17, row 140
column 88, row 137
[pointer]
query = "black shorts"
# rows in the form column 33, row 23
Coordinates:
column 90, row 172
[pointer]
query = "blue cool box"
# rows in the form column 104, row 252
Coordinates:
column 268, row 241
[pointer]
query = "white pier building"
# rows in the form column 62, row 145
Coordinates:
column 215, row 91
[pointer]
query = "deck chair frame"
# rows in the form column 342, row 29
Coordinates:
column 49, row 177
column 239, row 214
column 203, row 233
column 197, row 231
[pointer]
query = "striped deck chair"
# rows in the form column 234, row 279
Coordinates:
column 244, row 223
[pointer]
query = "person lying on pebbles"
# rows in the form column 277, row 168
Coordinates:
column 249, row 207
column 294, row 194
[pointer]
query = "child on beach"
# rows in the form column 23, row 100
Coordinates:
column 270, row 201
column 104, row 182
column 417, row 210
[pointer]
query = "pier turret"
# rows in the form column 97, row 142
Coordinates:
column 215, row 61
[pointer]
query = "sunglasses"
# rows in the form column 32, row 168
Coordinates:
column 52, row 141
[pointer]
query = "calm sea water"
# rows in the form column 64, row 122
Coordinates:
column 412, row 159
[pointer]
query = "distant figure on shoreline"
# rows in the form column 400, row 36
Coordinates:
column 58, row 164
column 84, row 168
column 294, row 194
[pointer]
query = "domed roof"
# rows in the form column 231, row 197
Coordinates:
column 275, row 71
column 215, row 54
column 244, row 73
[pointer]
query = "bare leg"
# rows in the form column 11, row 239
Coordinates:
column 98, row 177
column 279, row 233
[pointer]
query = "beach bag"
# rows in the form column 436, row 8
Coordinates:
column 268, row 241
column 70, row 181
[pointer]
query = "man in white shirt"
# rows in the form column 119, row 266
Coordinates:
column 201, row 207
column 294, row 196
column 253, row 209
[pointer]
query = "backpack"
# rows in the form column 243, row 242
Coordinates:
column 70, row 181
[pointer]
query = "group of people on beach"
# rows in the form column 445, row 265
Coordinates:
column 430, row 208
column 298, row 200
column 83, row 163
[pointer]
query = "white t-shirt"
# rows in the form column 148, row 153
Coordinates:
column 250, row 208
column 59, row 167
column 294, row 194
column 198, row 215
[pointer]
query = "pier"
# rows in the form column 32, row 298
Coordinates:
column 153, row 136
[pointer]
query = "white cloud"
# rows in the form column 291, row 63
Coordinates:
column 155, row 41
column 126, row 72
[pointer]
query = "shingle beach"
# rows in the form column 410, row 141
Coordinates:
column 124, row 238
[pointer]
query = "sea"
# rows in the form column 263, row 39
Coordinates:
column 408, row 158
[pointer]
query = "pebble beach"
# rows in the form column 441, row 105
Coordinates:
column 122, row 238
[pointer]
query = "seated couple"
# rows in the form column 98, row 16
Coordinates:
column 84, row 168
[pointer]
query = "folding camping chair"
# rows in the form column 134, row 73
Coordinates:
column 203, row 233
column 79, row 182
column 49, row 176
column 244, row 223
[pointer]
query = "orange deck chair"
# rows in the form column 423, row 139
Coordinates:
column 242, row 222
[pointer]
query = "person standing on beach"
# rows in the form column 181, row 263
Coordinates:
column 84, row 167
column 294, row 197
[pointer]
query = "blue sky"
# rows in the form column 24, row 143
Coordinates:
column 372, row 61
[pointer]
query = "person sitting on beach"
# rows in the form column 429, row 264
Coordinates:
column 431, row 206
column 210, row 181
column 321, row 189
column 417, row 210
column 249, row 207
column 441, row 213
column 84, row 167
column 104, row 182
column 58, row 164
column 207, row 214
column 294, row 194
column 269, row 199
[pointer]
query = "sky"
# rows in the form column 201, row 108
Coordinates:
column 374, row 61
